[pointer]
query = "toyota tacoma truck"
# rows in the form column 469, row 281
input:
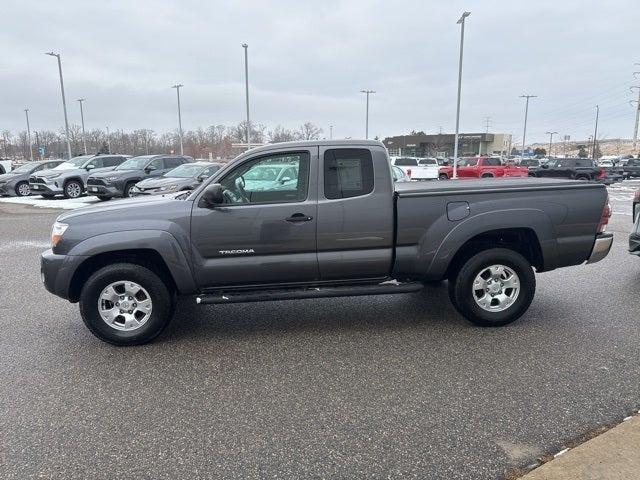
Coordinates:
column 482, row 167
column 340, row 227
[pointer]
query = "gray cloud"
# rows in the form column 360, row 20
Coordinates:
column 308, row 61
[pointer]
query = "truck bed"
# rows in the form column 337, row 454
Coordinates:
column 435, row 219
column 487, row 185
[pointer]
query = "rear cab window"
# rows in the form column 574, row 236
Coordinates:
column 348, row 172
column 406, row 162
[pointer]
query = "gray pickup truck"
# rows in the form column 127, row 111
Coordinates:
column 336, row 225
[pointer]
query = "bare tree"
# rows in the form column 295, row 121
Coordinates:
column 309, row 131
column 280, row 134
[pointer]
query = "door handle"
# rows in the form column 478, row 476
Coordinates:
column 299, row 217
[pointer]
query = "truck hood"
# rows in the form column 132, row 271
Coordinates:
column 135, row 204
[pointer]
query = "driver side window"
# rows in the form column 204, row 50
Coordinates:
column 280, row 178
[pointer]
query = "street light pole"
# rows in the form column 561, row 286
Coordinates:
column 330, row 132
column 460, row 22
column 177, row 87
column 595, row 134
column 64, row 101
column 26, row 112
column 551, row 134
column 84, row 141
column 526, row 114
column 108, row 140
column 366, row 128
column 246, row 90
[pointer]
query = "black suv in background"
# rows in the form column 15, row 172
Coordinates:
column 574, row 168
column 631, row 168
column 120, row 181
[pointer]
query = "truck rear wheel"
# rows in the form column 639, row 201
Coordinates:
column 443, row 176
column 126, row 304
column 493, row 288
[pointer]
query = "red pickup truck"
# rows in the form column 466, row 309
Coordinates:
column 482, row 167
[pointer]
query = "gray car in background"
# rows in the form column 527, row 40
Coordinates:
column 185, row 177
column 16, row 182
column 69, row 178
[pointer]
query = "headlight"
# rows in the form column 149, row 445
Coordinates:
column 110, row 179
column 168, row 188
column 57, row 231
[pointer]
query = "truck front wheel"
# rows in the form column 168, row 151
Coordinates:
column 126, row 304
column 493, row 288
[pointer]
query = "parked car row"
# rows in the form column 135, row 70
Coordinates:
column 15, row 183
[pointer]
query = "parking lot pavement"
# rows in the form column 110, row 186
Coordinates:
column 56, row 203
column 384, row 386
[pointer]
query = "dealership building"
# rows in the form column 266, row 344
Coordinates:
column 441, row 145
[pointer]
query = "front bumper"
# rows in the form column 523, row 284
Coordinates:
column 104, row 191
column 57, row 272
column 6, row 189
column 601, row 247
column 46, row 188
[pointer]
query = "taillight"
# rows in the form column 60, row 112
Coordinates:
column 604, row 218
column 409, row 172
column 601, row 173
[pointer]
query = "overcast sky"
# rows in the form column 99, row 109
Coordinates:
column 309, row 60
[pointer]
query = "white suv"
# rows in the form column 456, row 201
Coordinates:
column 417, row 168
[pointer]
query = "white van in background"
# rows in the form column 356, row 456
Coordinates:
column 417, row 168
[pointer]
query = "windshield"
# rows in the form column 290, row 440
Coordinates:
column 73, row 163
column 26, row 168
column 529, row 163
column 135, row 163
column 187, row 170
column 266, row 173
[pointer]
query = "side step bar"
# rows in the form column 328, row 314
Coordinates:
column 386, row 288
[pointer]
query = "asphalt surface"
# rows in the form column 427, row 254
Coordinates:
column 389, row 386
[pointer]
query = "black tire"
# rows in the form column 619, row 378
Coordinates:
column 162, row 304
column 103, row 198
column 487, row 175
column 126, row 192
column 532, row 175
column 582, row 177
column 20, row 189
column 443, row 176
column 73, row 189
column 462, row 294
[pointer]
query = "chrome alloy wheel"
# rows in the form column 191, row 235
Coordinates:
column 125, row 305
column 496, row 288
column 24, row 190
column 74, row 190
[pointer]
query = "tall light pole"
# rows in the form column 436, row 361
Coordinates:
column 26, row 112
column 460, row 22
column 64, row 101
column 108, row 140
column 551, row 134
column 246, row 91
column 330, row 132
column 526, row 114
column 366, row 128
column 177, row 87
column 84, row 141
column 595, row 134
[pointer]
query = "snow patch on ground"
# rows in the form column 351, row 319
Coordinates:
column 58, row 203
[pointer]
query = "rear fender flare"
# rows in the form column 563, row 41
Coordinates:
column 463, row 231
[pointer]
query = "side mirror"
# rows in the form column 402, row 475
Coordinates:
column 284, row 180
column 212, row 196
column 201, row 178
column 91, row 166
column 150, row 168
column 545, row 166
